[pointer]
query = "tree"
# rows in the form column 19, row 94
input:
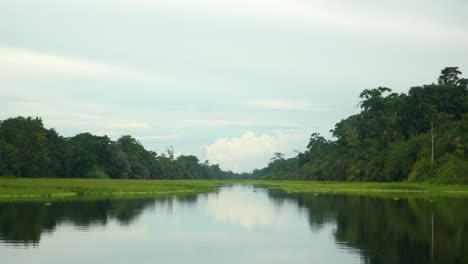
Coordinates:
column 188, row 167
column 88, row 155
column 449, row 75
column 56, row 154
column 119, row 166
column 23, row 146
column 373, row 99
column 387, row 140
column 27, row 149
column 429, row 112
column 317, row 144
column 140, row 160
column 277, row 156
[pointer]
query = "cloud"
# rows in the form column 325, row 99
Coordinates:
column 129, row 124
column 160, row 137
column 25, row 62
column 65, row 119
column 287, row 105
column 76, row 115
column 336, row 15
column 14, row 99
column 250, row 210
column 250, row 151
column 217, row 123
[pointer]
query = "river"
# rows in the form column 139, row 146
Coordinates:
column 237, row 224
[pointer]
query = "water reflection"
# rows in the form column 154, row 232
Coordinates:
column 238, row 224
column 389, row 230
column 24, row 222
column 252, row 208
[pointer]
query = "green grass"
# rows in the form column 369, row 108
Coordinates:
column 54, row 189
column 400, row 189
column 59, row 189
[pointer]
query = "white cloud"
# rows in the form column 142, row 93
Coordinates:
column 251, row 151
column 250, row 210
column 232, row 122
column 275, row 104
column 91, row 124
column 129, row 124
column 76, row 115
column 327, row 14
column 160, row 137
column 29, row 63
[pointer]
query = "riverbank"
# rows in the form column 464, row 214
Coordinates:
column 59, row 189
column 393, row 189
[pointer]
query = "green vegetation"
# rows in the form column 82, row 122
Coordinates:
column 416, row 137
column 53, row 189
column 29, row 150
column 396, row 189
column 419, row 136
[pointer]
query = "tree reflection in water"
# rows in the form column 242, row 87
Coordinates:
column 384, row 230
column 23, row 223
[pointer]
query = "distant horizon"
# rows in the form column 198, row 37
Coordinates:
column 228, row 81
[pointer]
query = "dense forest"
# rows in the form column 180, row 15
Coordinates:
column 418, row 136
column 27, row 149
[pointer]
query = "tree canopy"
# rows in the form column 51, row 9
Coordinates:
column 392, row 138
column 27, row 149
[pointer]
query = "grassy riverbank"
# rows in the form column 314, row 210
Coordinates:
column 397, row 189
column 53, row 189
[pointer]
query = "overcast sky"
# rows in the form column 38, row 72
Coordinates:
column 232, row 81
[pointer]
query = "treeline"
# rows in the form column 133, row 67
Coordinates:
column 27, row 149
column 421, row 135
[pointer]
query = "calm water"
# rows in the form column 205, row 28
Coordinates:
column 238, row 224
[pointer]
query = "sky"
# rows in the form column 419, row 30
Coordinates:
column 231, row 81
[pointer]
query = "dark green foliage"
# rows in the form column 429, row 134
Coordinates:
column 401, row 158
column 392, row 138
column 27, row 149
column 86, row 155
column 139, row 159
column 56, row 162
column 278, row 168
column 23, row 147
